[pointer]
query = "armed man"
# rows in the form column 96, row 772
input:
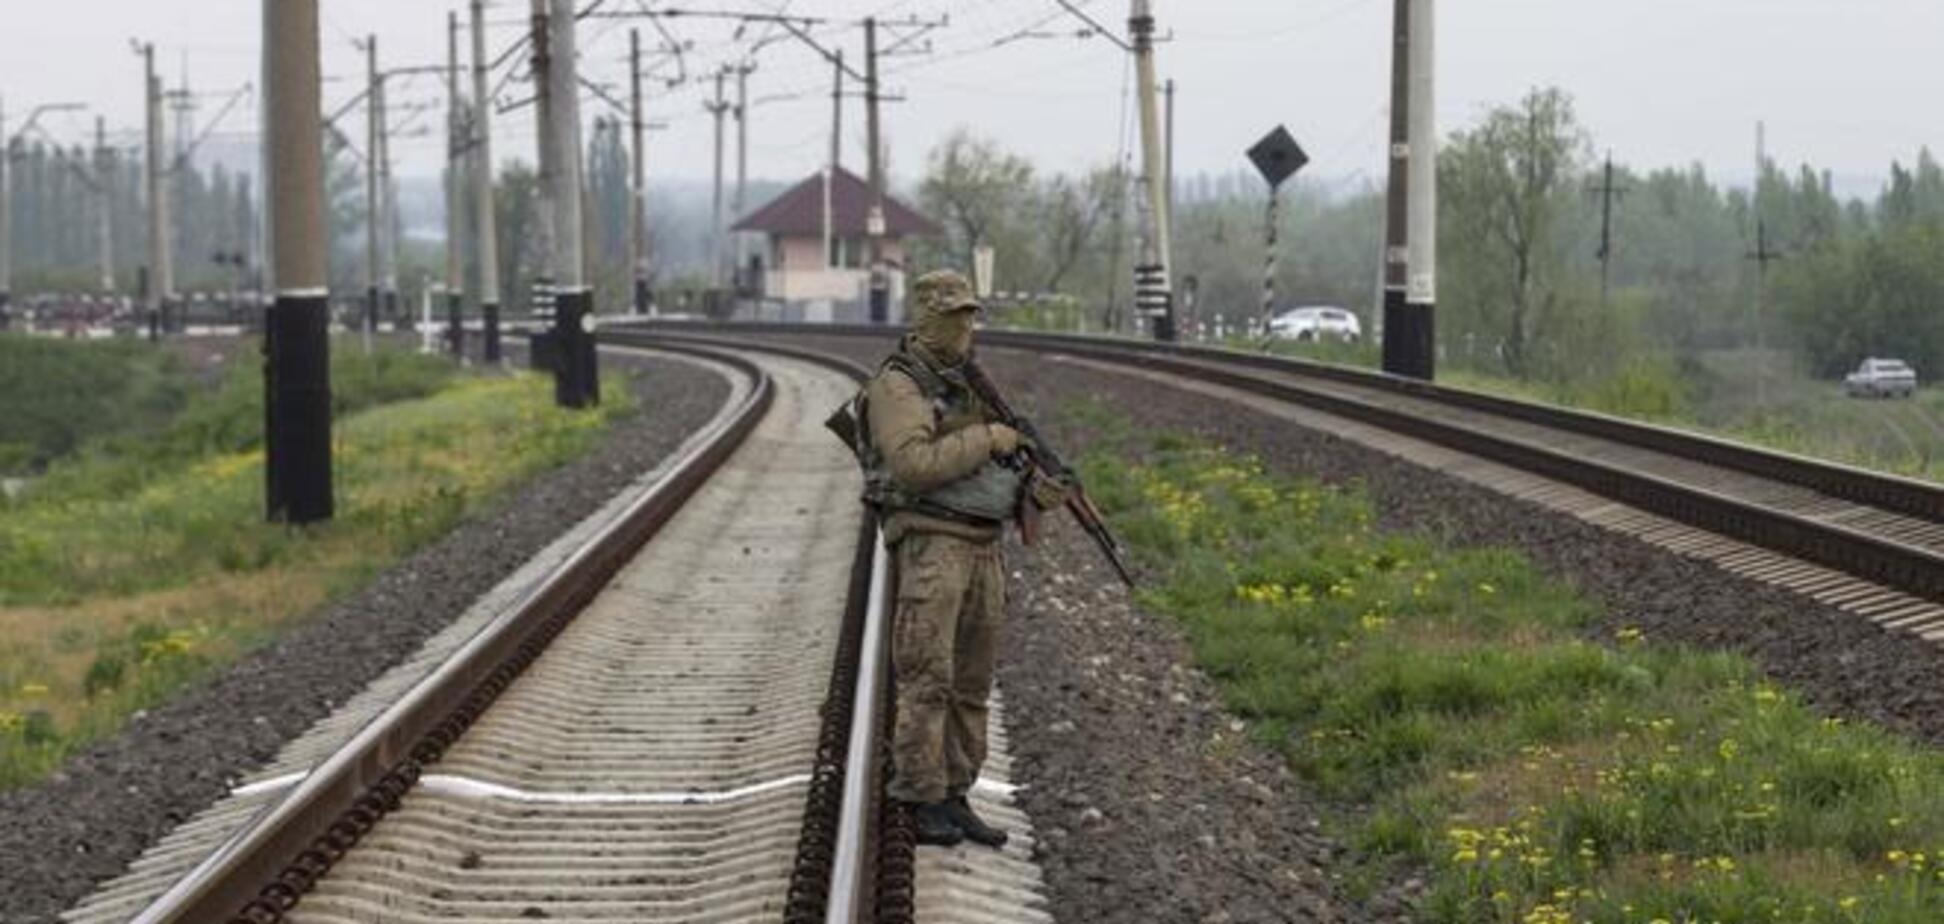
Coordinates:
column 934, row 470
column 947, row 464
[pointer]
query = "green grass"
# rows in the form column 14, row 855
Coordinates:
column 123, row 577
column 56, row 395
column 1452, row 702
column 1716, row 395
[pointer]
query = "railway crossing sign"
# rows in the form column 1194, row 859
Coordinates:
column 1277, row 156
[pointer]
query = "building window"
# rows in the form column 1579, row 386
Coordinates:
column 846, row 252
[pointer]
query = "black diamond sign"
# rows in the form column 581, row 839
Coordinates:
column 1278, row 156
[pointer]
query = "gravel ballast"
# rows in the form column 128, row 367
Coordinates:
column 84, row 824
column 1095, row 687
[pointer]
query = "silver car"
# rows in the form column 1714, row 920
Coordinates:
column 1314, row 322
column 1881, row 378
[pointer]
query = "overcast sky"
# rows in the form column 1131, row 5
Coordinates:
column 1845, row 84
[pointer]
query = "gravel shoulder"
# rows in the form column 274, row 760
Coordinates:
column 86, row 822
column 1130, row 767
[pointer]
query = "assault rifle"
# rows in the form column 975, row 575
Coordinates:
column 1036, row 460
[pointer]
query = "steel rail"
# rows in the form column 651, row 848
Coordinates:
column 1903, row 566
column 838, row 876
column 1893, row 493
column 261, row 871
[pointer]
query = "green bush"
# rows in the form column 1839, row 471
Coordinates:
column 57, row 395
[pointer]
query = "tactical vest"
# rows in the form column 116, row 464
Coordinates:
column 987, row 497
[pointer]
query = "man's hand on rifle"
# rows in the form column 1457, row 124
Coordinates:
column 1005, row 440
column 1051, row 492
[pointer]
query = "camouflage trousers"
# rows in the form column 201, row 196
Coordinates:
column 944, row 636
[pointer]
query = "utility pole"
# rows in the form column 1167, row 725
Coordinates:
column 374, row 214
column 297, row 385
column 742, row 158
column 880, row 310
column 160, row 279
column 836, row 157
column 576, row 382
column 837, row 110
column 1607, row 191
column 1168, row 119
column 638, row 193
column 455, row 152
column 1154, row 295
column 482, row 177
column 104, row 189
column 388, row 206
column 1762, row 257
column 1410, row 339
column 6, row 221
column 720, row 107
column 543, row 78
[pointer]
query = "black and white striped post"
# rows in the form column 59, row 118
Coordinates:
column 1269, row 259
column 1277, row 157
column 296, row 340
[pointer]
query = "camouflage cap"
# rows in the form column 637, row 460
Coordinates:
column 941, row 292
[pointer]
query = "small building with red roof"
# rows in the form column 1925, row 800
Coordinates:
column 816, row 262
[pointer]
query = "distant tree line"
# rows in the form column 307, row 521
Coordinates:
column 1519, row 231
column 56, row 210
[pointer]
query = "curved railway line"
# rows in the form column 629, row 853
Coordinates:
column 1864, row 541
column 680, row 714
column 656, row 724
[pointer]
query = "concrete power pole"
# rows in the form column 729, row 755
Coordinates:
column 1168, row 134
column 836, row 157
column 488, row 228
column 543, row 119
column 388, row 207
column 104, row 190
column 576, row 381
column 742, row 165
column 455, row 153
column 837, row 110
column 6, row 221
column 297, row 385
column 1421, row 292
column 374, row 212
column 638, row 189
column 719, row 108
column 880, row 305
column 1154, row 293
column 160, row 277
column 1410, row 257
column 482, row 177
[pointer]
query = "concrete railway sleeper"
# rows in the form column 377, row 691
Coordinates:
column 658, row 723
column 655, row 729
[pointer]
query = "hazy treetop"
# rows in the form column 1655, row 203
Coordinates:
column 1845, row 84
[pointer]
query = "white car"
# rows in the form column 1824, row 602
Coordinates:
column 1314, row 322
column 1881, row 378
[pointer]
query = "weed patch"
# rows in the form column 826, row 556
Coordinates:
column 1451, row 700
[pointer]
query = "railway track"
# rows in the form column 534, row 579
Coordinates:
column 655, row 723
column 1868, row 542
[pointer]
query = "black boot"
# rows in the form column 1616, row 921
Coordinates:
column 974, row 827
column 932, row 821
